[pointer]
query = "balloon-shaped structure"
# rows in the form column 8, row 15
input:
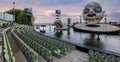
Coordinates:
column 93, row 13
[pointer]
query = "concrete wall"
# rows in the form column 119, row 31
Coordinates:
column 6, row 16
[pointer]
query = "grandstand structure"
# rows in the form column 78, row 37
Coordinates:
column 6, row 16
column 6, row 19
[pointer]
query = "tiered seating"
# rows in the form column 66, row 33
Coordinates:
column 29, row 53
column 22, row 27
column 45, row 46
column 102, row 57
column 59, row 45
column 44, row 52
column 8, row 54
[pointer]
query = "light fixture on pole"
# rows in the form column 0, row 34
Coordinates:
column 80, row 19
column 105, row 18
column 13, row 11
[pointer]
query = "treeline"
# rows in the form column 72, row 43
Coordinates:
column 20, row 16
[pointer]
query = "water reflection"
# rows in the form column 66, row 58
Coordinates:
column 58, row 33
column 49, row 27
column 68, row 34
column 42, row 31
column 68, row 31
column 93, row 41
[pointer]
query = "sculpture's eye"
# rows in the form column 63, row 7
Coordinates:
column 98, row 9
column 86, row 11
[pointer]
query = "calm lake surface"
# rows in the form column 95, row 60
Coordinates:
column 103, row 42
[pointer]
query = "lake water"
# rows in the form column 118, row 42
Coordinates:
column 103, row 42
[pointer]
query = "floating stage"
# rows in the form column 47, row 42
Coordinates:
column 60, row 28
column 97, row 28
column 64, row 28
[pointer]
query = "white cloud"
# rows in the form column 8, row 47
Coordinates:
column 72, row 9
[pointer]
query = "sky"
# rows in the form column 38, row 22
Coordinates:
column 44, row 10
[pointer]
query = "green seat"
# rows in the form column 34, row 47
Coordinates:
column 7, row 59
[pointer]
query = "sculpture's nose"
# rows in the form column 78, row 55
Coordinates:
column 91, row 14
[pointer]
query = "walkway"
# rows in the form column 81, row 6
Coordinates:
column 19, row 57
column 74, row 56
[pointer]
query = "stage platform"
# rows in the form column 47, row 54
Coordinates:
column 99, row 28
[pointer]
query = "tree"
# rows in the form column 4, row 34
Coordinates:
column 21, row 18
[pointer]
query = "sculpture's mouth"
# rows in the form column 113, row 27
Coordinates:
column 92, row 19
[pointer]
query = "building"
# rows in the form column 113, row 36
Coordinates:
column 28, row 15
column 6, row 17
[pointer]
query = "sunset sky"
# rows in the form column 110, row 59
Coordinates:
column 44, row 10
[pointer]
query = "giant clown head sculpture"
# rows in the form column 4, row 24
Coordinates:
column 93, row 13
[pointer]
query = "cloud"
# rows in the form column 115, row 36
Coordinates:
column 50, row 2
column 114, row 16
column 62, row 15
column 45, row 9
